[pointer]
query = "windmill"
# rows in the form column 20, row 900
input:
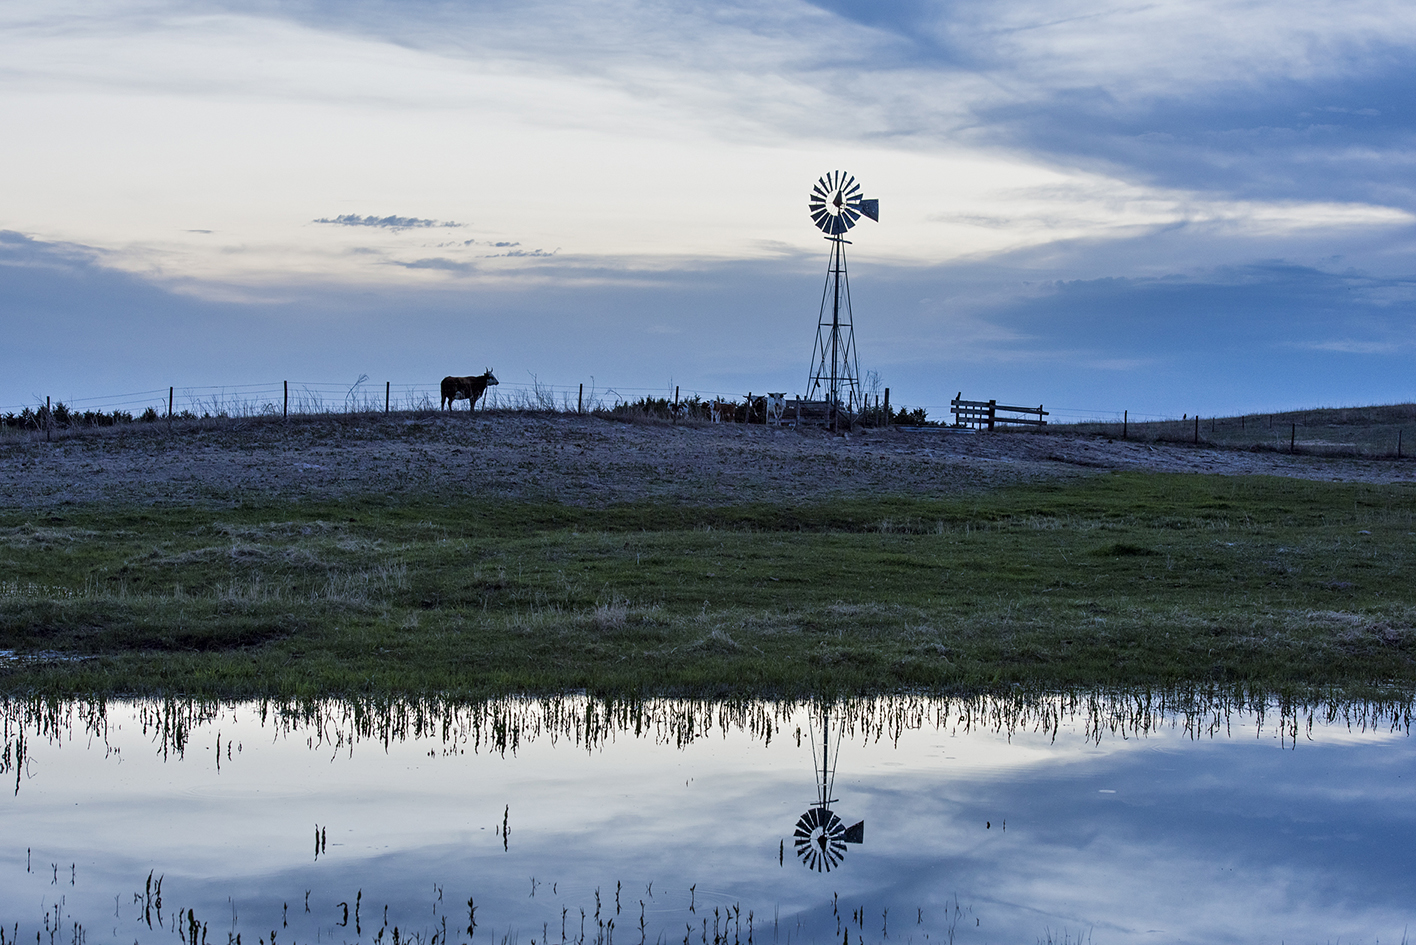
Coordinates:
column 836, row 205
column 821, row 836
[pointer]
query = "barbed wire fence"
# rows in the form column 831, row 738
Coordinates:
column 298, row 397
column 1381, row 436
column 307, row 398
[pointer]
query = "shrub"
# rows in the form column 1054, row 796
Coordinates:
column 912, row 418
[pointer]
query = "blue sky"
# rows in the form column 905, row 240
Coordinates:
column 1166, row 207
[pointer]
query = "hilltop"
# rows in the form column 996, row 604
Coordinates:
column 594, row 460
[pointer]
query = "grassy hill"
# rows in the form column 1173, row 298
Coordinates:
column 1372, row 432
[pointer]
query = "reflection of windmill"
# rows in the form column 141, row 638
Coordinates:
column 835, row 205
column 821, row 836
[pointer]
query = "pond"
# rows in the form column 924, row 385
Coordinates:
column 1105, row 818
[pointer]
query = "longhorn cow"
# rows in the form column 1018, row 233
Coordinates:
column 722, row 411
column 776, row 406
column 469, row 388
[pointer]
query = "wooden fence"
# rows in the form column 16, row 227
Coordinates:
column 985, row 414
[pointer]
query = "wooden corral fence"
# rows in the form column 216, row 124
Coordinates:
column 985, row 414
column 808, row 411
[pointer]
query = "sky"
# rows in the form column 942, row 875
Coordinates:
column 1166, row 208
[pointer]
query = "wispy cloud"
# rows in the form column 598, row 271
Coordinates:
column 520, row 252
column 1355, row 346
column 395, row 223
column 439, row 263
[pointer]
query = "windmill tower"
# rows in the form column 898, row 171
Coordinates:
column 821, row 836
column 836, row 205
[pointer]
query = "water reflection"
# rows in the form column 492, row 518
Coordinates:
column 1200, row 816
column 821, row 836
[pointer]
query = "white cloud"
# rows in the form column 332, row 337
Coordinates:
column 619, row 134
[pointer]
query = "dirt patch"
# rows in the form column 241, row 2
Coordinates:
column 584, row 460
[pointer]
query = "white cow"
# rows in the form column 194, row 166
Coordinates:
column 776, row 406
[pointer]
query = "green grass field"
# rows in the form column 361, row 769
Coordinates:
column 1122, row 579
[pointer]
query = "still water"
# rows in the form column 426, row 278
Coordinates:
column 1105, row 818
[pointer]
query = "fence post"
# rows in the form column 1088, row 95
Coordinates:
column 1197, row 429
column 48, row 418
column 388, row 387
column 675, row 410
column 285, row 411
column 1398, row 444
column 1292, row 436
column 1125, row 423
column 169, row 408
column 749, row 408
column 798, row 412
column 887, row 408
column 992, row 406
column 580, row 399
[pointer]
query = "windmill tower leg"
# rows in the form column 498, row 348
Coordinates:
column 835, row 374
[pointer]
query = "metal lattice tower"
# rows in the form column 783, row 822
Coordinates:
column 836, row 204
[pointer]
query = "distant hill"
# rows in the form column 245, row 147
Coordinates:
column 1375, row 431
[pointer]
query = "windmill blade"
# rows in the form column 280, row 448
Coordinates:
column 855, row 833
column 836, row 203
